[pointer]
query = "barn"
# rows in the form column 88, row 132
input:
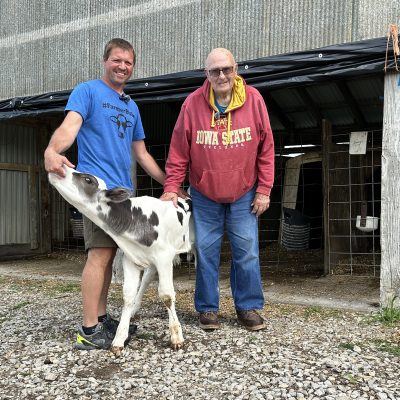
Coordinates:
column 332, row 91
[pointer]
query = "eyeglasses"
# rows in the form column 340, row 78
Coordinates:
column 216, row 72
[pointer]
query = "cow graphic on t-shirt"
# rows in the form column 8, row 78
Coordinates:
column 122, row 124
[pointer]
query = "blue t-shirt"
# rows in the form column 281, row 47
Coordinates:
column 110, row 125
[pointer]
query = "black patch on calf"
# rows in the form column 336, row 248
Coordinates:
column 180, row 217
column 154, row 219
column 189, row 203
column 123, row 218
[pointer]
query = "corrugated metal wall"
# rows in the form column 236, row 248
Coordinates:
column 50, row 45
column 14, row 227
column 17, row 144
column 17, row 156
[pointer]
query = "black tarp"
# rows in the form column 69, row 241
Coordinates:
column 287, row 70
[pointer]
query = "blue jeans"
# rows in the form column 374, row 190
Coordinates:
column 210, row 219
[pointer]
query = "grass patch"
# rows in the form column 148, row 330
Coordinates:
column 312, row 311
column 3, row 280
column 20, row 305
column 347, row 345
column 389, row 315
column 351, row 379
column 286, row 309
column 57, row 288
column 318, row 311
column 384, row 345
column 68, row 287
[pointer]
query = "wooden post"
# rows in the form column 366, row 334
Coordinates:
column 390, row 197
column 43, row 134
column 33, row 207
column 326, row 140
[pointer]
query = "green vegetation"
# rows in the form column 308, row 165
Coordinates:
column 388, row 347
column 351, row 379
column 318, row 311
column 389, row 315
column 20, row 305
column 347, row 345
column 312, row 310
column 68, row 287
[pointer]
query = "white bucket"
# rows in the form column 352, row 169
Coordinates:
column 371, row 223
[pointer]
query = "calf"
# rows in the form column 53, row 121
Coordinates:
column 150, row 232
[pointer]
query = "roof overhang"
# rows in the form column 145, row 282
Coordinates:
column 331, row 63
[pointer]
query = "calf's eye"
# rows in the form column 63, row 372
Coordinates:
column 88, row 180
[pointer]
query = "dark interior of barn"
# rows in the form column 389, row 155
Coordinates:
column 325, row 204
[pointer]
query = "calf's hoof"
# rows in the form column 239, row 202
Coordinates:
column 116, row 350
column 177, row 346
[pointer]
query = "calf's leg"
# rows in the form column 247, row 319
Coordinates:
column 167, row 295
column 130, row 289
column 148, row 276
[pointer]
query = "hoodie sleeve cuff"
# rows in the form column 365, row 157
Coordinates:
column 264, row 190
column 171, row 188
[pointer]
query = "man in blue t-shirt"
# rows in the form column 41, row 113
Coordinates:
column 108, row 128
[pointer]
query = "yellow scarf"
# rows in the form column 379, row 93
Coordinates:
column 237, row 100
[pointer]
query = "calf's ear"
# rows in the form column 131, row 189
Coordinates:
column 117, row 195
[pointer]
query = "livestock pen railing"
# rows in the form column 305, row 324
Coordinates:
column 289, row 243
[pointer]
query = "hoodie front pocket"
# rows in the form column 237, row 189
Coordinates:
column 223, row 187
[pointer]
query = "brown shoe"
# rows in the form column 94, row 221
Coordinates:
column 209, row 320
column 250, row 319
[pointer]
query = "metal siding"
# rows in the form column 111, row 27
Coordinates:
column 302, row 119
column 287, row 98
column 326, row 94
column 373, row 17
column 242, row 27
column 342, row 116
column 302, row 25
column 14, row 226
column 17, row 146
column 367, row 89
column 52, row 45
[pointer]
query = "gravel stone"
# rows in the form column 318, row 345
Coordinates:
column 330, row 354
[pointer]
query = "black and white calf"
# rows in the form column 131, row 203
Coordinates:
column 150, row 232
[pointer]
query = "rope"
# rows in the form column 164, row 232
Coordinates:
column 393, row 35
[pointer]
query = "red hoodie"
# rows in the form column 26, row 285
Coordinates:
column 227, row 156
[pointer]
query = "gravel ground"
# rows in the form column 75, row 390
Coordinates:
column 305, row 352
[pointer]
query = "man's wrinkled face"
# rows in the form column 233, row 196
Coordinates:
column 221, row 70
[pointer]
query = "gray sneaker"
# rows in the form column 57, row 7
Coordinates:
column 111, row 326
column 97, row 340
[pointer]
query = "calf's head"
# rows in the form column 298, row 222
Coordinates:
column 84, row 191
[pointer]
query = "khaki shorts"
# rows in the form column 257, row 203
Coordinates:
column 95, row 236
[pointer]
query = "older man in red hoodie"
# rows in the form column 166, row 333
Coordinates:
column 223, row 134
